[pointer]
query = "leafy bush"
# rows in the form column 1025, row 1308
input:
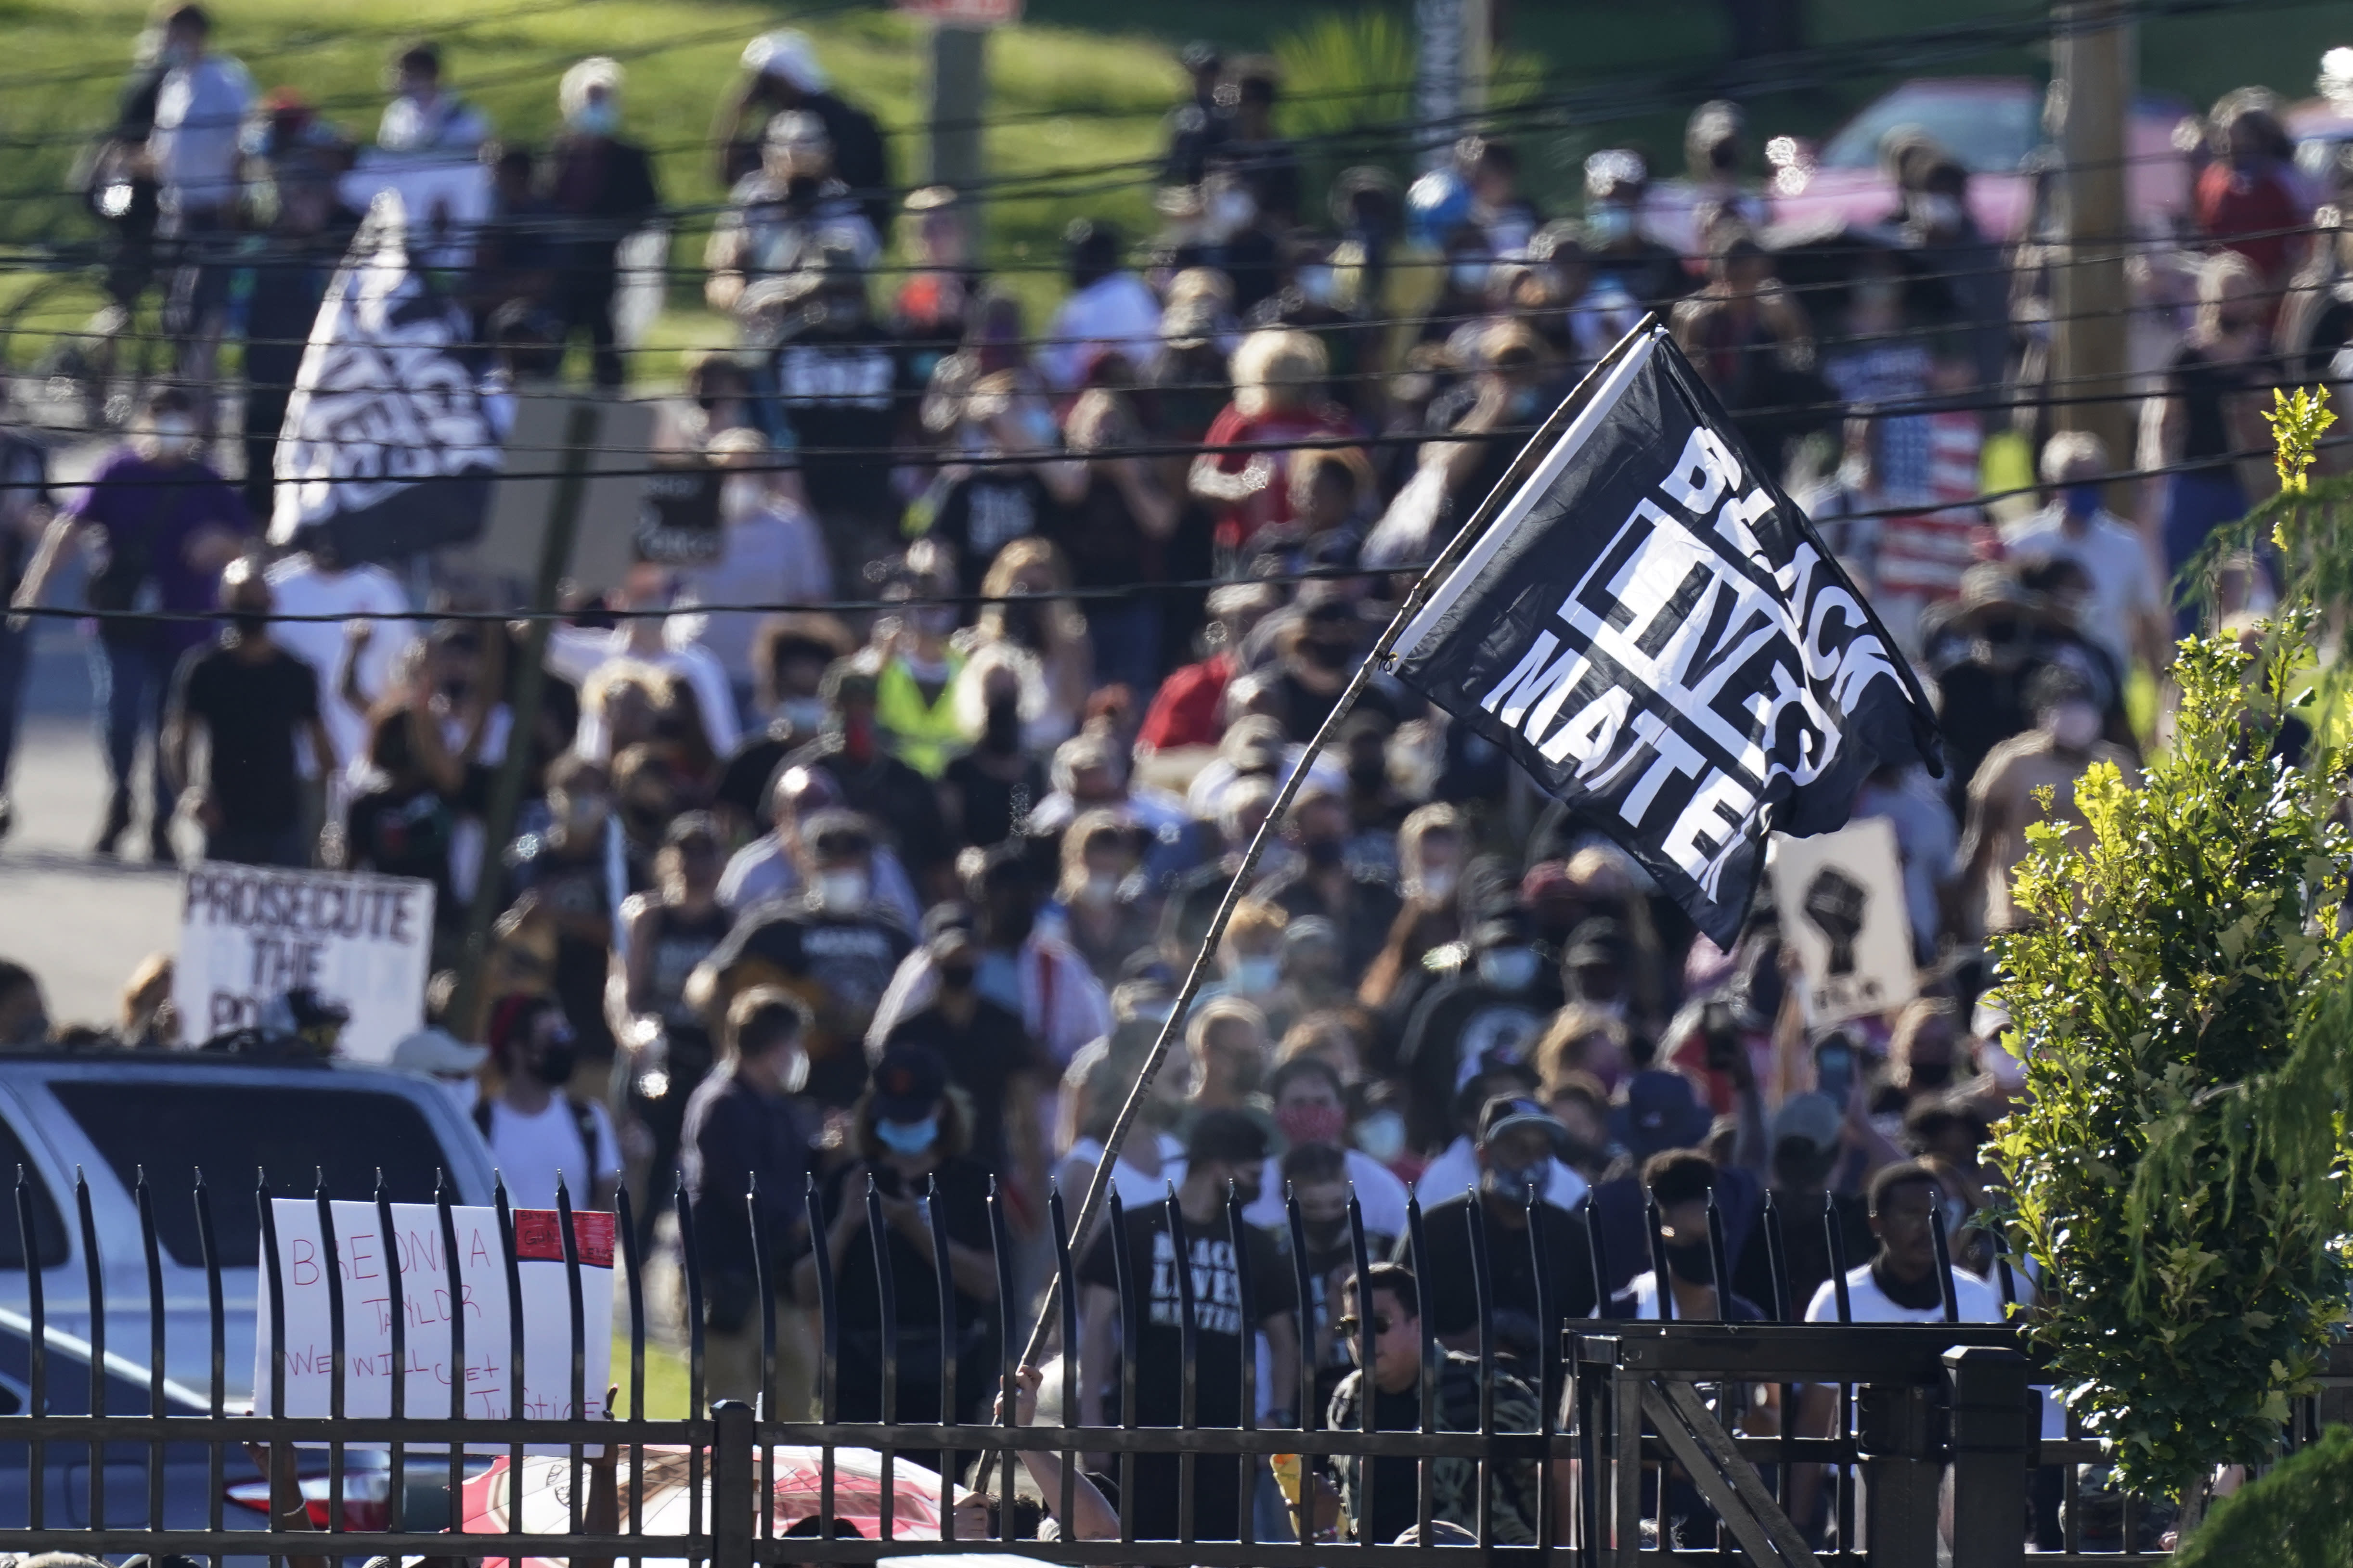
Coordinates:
column 2184, row 986
column 2298, row 1516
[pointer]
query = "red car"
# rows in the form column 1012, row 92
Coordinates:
column 1993, row 125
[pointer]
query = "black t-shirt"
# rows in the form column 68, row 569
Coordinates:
column 1806, row 1247
column 838, row 965
column 1226, row 1325
column 1450, row 1295
column 1394, row 1487
column 751, row 767
column 250, row 711
column 406, row 833
column 1106, row 545
column 573, row 880
column 981, row 513
column 900, row 803
column 840, row 389
column 1458, row 1021
column 981, row 1057
column 961, row 1188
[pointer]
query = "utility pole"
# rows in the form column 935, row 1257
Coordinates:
column 2093, row 50
column 958, row 74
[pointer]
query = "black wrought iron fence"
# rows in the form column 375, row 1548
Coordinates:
column 1931, row 1455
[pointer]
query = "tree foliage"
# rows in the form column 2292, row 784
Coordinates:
column 2183, row 985
column 2298, row 1516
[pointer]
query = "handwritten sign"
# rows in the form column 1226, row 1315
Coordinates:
column 249, row 935
column 411, row 1274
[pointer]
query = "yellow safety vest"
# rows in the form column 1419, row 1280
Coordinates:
column 924, row 734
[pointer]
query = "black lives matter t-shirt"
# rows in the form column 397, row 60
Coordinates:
column 1227, row 1324
column 251, row 711
column 839, row 391
column 838, row 965
column 982, row 511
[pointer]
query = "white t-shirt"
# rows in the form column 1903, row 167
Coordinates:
column 1379, row 1194
column 2124, row 583
column 1134, row 1187
column 576, row 655
column 1456, row 1171
column 1867, row 1304
column 528, row 1151
column 302, row 589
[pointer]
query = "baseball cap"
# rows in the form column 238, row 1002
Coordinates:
column 1660, row 1112
column 1812, row 1117
column 908, row 1082
column 785, row 53
column 1505, row 1112
column 437, row 1053
column 1225, row 1136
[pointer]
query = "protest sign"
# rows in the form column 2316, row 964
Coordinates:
column 504, row 563
column 428, row 1300
column 249, row 934
column 1840, row 897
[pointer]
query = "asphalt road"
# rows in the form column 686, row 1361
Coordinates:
column 79, row 923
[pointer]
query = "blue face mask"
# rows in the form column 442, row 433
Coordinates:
column 1518, row 1186
column 909, row 1138
column 1508, row 968
column 599, row 118
column 2082, row 501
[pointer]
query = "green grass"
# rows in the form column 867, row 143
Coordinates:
column 1080, row 84
column 665, row 1379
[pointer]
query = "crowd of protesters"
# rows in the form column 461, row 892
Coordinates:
column 904, row 895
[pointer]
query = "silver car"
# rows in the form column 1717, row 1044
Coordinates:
column 110, row 1115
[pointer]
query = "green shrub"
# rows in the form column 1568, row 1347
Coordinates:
column 2298, row 1516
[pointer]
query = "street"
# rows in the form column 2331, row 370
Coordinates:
column 79, row 923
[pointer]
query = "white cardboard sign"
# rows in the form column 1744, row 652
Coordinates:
column 426, row 1304
column 1840, row 898
column 249, row 934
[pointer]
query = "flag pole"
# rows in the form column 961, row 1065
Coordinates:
column 1099, row 1188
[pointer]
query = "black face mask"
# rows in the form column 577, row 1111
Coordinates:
column 1688, row 1261
column 955, row 976
column 1325, row 655
column 1325, row 1235
column 249, row 628
column 555, row 1063
column 1368, row 772
column 802, row 188
column 1931, row 1074
column 1322, row 853
column 1025, row 625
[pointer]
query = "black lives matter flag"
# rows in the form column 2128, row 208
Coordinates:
column 387, row 448
column 1654, row 632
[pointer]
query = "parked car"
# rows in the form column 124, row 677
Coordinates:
column 1993, row 126
column 110, row 1115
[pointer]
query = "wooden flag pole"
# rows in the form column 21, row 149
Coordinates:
column 1099, row 1189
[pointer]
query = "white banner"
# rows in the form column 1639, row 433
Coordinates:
column 427, row 1303
column 1840, row 898
column 249, row 934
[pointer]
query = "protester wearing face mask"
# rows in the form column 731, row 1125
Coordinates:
column 2003, row 801
column 1096, row 1085
column 251, row 701
column 536, row 1130
column 1250, row 960
column 1106, row 909
column 664, row 935
column 1021, row 963
column 1317, row 1175
column 1429, row 852
column 790, row 654
column 1004, row 1074
column 1511, row 396
column 1311, row 1110
column 836, row 947
column 605, row 186
column 1225, row 1150
column 1519, row 1147
column 910, row 1134
column 2209, row 417
column 1980, row 650
column 2121, row 613
column 1012, row 487
column 170, row 523
column 1279, row 397
column 838, row 378
column 851, row 754
column 1226, row 1039
column 1361, row 902
column 1498, row 1002
column 1679, row 1182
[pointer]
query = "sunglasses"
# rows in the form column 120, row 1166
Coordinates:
column 1352, row 1325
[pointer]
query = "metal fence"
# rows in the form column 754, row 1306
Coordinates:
column 1931, row 1457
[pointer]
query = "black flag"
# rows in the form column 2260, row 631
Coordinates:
column 387, row 448
column 1660, row 637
